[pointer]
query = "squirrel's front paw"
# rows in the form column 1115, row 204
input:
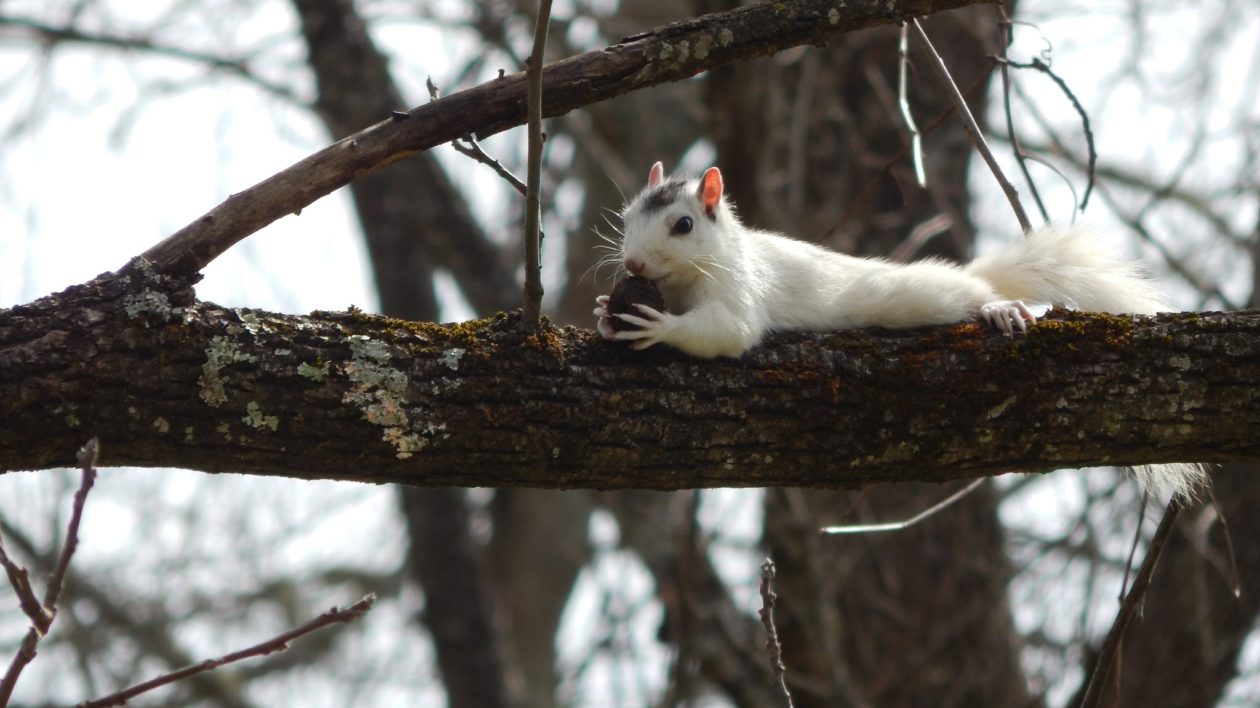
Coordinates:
column 652, row 325
column 604, row 324
column 1007, row 316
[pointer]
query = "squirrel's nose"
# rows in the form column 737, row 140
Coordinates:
column 635, row 266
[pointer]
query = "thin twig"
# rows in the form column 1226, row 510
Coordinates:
column 25, row 654
column 916, row 139
column 1137, row 536
column 42, row 621
column 901, row 525
column 275, row 644
column 1044, row 68
column 1110, row 649
column 969, row 123
column 21, row 582
column 533, row 207
column 919, row 237
column 798, row 131
column 773, row 649
column 1235, row 579
column 1174, row 263
column 235, row 66
column 1016, row 148
column 1044, row 162
column 469, row 147
column 87, row 461
column 896, row 159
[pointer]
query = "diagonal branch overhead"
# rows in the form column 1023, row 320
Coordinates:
column 670, row 53
column 165, row 380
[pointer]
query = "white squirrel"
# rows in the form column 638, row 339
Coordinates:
column 728, row 285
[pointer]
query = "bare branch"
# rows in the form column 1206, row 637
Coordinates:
column 1137, row 537
column 87, row 461
column 42, row 618
column 116, row 618
column 1109, row 652
column 20, row 580
column 903, row 102
column 1044, row 68
column 969, row 123
column 533, row 178
column 234, row 66
column 773, row 649
column 1016, row 148
column 25, row 654
column 902, row 525
column 866, row 192
column 275, row 644
column 469, row 147
column 1235, row 579
column 670, row 53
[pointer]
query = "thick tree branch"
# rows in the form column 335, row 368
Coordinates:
column 165, row 380
column 671, row 53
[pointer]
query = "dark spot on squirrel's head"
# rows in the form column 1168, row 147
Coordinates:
column 663, row 196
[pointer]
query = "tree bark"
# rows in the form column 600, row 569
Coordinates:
column 165, row 380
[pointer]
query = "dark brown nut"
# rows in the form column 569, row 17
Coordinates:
column 633, row 291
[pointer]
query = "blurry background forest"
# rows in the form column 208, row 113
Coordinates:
column 122, row 121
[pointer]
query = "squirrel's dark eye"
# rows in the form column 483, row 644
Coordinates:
column 682, row 226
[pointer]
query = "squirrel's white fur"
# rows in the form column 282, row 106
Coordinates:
column 727, row 285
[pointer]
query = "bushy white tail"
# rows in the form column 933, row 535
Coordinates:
column 1179, row 479
column 1068, row 267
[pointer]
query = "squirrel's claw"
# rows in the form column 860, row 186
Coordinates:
column 603, row 325
column 1007, row 316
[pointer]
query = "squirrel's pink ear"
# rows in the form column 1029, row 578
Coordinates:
column 710, row 191
column 656, row 175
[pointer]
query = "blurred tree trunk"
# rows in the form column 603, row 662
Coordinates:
column 919, row 617
column 493, row 619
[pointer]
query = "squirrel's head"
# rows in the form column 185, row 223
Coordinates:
column 676, row 229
